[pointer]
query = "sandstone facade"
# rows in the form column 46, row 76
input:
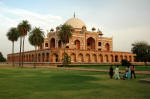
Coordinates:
column 84, row 47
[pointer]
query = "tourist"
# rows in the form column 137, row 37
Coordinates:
column 129, row 73
column 132, row 71
column 111, row 72
column 126, row 73
column 117, row 73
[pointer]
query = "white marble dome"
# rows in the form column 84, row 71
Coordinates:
column 75, row 23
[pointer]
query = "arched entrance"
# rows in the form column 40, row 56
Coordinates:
column 59, row 44
column 130, row 59
column 90, row 43
column 43, row 57
column 107, row 46
column 106, row 58
column 52, row 43
column 32, row 58
column 73, row 57
column 29, row 58
column 101, row 58
column 39, row 57
column 80, row 57
column 111, row 58
column 54, row 57
column 87, row 57
column 116, row 58
column 121, row 57
column 94, row 59
column 77, row 44
column 47, row 57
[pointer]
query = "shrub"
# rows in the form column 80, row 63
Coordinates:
column 66, row 60
column 125, row 62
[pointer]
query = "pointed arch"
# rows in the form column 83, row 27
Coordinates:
column 107, row 47
column 90, row 43
column 101, row 58
column 73, row 57
column 87, row 57
column 59, row 44
column 54, row 57
column 80, row 57
column 52, row 43
column 106, row 58
column 94, row 58
column 77, row 44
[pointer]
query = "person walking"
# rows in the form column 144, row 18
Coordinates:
column 117, row 73
column 129, row 73
column 111, row 73
column 132, row 71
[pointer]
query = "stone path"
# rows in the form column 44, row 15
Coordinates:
column 79, row 69
column 94, row 70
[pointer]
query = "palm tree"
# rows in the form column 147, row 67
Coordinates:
column 36, row 38
column 13, row 36
column 64, row 34
column 24, row 27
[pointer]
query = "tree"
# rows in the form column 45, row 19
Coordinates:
column 125, row 62
column 64, row 34
column 24, row 27
column 36, row 38
column 142, row 51
column 2, row 59
column 13, row 36
column 66, row 59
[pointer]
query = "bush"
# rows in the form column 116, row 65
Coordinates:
column 66, row 60
column 125, row 62
column 2, row 59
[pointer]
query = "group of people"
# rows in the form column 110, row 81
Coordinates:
column 129, row 71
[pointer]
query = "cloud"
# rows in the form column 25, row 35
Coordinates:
column 10, row 17
column 45, row 21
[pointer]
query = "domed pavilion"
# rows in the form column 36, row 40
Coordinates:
column 84, row 47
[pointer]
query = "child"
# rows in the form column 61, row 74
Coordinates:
column 117, row 73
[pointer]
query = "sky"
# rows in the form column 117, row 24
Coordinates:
column 127, row 21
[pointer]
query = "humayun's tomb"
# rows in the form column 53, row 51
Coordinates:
column 84, row 47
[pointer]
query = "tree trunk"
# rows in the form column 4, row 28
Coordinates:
column 23, row 51
column 13, row 53
column 64, row 54
column 35, row 57
column 20, row 51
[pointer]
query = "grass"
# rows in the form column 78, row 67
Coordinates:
column 42, row 83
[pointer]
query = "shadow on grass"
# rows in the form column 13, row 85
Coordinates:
column 69, row 82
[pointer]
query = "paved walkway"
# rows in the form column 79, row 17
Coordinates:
column 92, row 70
column 79, row 69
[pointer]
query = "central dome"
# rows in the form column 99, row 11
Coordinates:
column 75, row 23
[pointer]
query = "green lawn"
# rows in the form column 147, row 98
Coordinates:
column 45, row 83
column 105, row 67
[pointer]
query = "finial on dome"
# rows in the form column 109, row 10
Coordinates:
column 74, row 15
